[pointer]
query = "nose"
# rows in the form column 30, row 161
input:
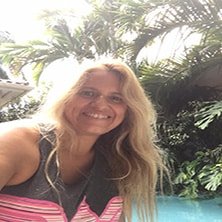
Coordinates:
column 100, row 102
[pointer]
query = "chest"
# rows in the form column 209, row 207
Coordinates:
column 73, row 169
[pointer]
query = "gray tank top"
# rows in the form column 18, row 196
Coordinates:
column 96, row 188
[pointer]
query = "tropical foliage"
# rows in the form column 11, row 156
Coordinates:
column 4, row 37
column 190, row 118
column 19, row 109
column 121, row 28
column 202, row 174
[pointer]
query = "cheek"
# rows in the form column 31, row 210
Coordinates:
column 69, row 112
column 122, row 113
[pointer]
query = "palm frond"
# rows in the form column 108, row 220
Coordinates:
column 201, row 16
column 208, row 113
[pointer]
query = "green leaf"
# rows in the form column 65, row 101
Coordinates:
column 211, row 177
column 37, row 71
column 207, row 114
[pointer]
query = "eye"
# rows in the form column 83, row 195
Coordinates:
column 87, row 93
column 115, row 99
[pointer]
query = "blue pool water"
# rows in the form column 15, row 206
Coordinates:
column 174, row 209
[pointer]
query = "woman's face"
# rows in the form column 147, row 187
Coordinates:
column 98, row 107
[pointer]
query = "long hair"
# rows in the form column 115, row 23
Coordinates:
column 135, row 159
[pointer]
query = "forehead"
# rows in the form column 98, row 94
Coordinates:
column 102, row 78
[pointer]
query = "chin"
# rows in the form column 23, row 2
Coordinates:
column 95, row 132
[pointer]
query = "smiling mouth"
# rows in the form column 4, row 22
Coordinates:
column 96, row 116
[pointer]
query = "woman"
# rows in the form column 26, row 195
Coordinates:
column 89, row 160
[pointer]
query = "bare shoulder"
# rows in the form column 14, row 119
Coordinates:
column 19, row 154
column 18, row 133
column 24, row 125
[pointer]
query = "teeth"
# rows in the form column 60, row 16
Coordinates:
column 97, row 116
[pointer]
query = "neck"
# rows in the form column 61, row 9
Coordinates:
column 85, row 145
column 74, row 163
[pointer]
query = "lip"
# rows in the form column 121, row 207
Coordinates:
column 95, row 115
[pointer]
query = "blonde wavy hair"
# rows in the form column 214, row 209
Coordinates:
column 134, row 158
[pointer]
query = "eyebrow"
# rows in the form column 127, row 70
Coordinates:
column 91, row 88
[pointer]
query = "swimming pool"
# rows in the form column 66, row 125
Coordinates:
column 175, row 209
